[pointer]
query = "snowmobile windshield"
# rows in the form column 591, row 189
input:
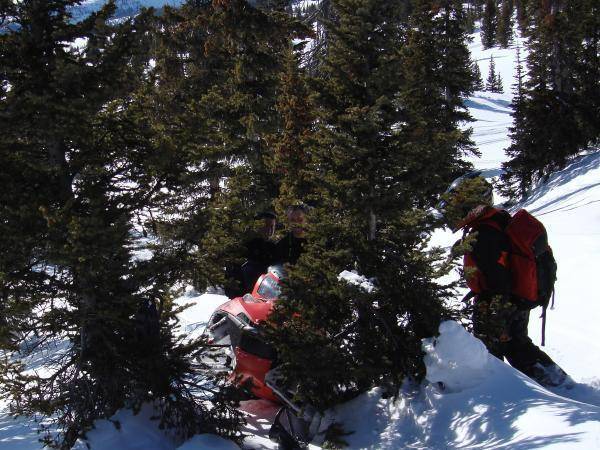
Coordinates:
column 268, row 289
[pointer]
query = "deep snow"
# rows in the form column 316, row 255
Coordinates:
column 471, row 399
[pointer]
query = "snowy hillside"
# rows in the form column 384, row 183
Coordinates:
column 125, row 8
column 471, row 399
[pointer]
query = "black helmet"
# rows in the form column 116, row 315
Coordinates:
column 464, row 194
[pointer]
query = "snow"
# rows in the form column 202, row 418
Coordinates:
column 127, row 431
column 483, row 404
column 200, row 307
column 208, row 441
column 454, row 359
column 351, row 277
column 470, row 399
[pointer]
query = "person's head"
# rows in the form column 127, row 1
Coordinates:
column 265, row 224
column 296, row 217
column 465, row 194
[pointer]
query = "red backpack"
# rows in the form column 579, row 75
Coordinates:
column 532, row 263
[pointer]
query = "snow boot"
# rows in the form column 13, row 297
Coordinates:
column 551, row 376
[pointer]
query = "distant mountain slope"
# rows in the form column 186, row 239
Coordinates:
column 125, row 8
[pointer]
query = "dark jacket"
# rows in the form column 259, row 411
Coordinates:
column 289, row 248
column 487, row 263
column 261, row 251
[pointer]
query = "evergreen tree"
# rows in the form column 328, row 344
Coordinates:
column 558, row 35
column 505, row 24
column 499, row 88
column 519, row 78
column 437, row 79
column 584, row 16
column 218, row 70
column 521, row 8
column 478, row 84
column 335, row 339
column 493, row 83
column 489, row 24
column 288, row 157
column 518, row 105
column 76, row 146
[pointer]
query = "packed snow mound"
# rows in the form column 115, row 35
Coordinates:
column 455, row 358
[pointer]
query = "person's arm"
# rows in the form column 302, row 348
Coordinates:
column 491, row 254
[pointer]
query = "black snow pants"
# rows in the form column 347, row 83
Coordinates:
column 519, row 350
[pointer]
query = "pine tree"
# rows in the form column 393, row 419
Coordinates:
column 584, row 16
column 335, row 339
column 513, row 181
column 522, row 15
column 218, row 66
column 437, row 80
column 493, row 83
column 264, row 37
column 478, row 85
column 288, row 157
column 489, row 24
column 519, row 77
column 499, row 84
column 505, row 24
column 556, row 42
column 76, row 148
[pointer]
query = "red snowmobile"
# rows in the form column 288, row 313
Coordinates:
column 235, row 345
column 234, row 339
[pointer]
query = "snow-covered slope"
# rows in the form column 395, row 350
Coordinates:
column 472, row 400
column 125, row 8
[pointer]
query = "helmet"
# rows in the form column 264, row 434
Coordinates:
column 465, row 193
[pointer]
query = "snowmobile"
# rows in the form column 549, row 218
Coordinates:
column 235, row 345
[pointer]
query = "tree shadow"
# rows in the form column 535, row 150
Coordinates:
column 490, row 418
column 18, row 433
column 472, row 104
column 492, row 415
column 580, row 392
column 580, row 166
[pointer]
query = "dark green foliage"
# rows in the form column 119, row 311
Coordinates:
column 556, row 113
column 81, row 164
column 493, row 83
column 335, row 339
column 478, row 84
column 288, row 157
column 505, row 24
column 101, row 148
column 218, row 67
column 489, row 24
column 522, row 17
column 436, row 79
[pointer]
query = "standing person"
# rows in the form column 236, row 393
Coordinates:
column 260, row 249
column 290, row 247
column 259, row 254
column 500, row 318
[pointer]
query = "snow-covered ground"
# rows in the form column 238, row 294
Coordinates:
column 471, row 400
